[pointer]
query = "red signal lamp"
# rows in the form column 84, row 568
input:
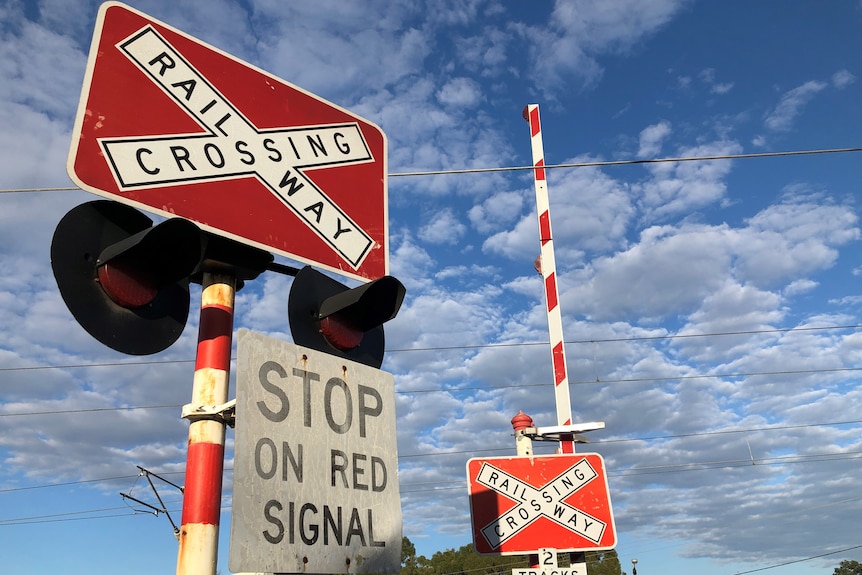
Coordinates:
column 327, row 316
column 126, row 281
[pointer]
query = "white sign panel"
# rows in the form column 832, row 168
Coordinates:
column 315, row 464
column 548, row 566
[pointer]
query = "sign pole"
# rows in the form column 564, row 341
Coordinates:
column 546, row 265
column 524, row 448
column 198, row 537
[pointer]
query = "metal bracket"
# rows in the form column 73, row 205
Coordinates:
column 556, row 432
column 224, row 413
column 155, row 510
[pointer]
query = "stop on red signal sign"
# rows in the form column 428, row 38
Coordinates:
column 523, row 504
column 174, row 126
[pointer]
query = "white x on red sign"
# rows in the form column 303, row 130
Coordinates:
column 234, row 147
column 169, row 124
column 546, row 501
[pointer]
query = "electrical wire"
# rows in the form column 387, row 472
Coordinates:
column 628, row 472
column 630, row 339
column 683, row 467
column 598, row 163
column 593, row 164
column 800, row 560
column 452, row 390
column 636, row 471
column 65, row 483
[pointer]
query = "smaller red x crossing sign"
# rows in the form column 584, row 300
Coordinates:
column 171, row 125
column 523, row 504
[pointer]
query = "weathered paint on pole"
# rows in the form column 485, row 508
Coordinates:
column 548, row 268
column 524, row 448
column 198, row 538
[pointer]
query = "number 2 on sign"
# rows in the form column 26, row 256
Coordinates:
column 548, row 557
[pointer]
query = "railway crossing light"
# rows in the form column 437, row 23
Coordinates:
column 327, row 316
column 127, row 282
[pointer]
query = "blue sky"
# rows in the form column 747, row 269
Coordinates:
column 710, row 307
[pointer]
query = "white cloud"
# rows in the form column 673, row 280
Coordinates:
column 443, row 227
column 796, row 237
column 842, row 79
column 460, row 92
column 485, row 53
column 722, row 88
column 496, row 211
column 675, row 268
column 800, row 286
column 590, row 211
column 369, row 46
column 42, row 69
column 758, row 141
column 648, row 279
column 581, row 30
column 680, row 187
column 707, row 76
column 781, row 118
column 409, row 262
column 651, row 139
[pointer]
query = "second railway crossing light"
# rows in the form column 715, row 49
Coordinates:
column 327, row 316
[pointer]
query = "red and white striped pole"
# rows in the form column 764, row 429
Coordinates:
column 547, row 266
column 198, row 538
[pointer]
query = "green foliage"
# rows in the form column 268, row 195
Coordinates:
column 603, row 563
column 465, row 561
column 848, row 567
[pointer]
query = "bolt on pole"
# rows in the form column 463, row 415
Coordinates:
column 198, row 537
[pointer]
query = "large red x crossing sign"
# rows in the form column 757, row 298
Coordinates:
column 523, row 504
column 172, row 125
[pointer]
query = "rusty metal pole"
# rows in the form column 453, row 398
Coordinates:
column 524, row 448
column 198, row 537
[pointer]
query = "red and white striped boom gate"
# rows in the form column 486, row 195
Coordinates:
column 546, row 265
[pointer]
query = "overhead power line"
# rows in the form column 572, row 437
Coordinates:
column 632, row 338
column 452, row 390
column 593, row 164
column 678, row 468
column 632, row 471
column 801, row 560
column 599, row 163
column 477, row 346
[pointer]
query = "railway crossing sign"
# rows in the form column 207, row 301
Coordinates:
column 522, row 504
column 171, row 125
